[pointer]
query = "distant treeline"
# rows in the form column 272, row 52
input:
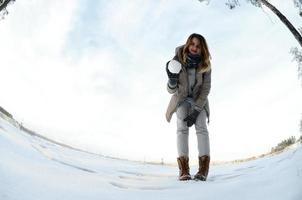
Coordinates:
column 285, row 143
column 275, row 150
column 5, row 112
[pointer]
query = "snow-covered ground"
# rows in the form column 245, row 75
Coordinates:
column 32, row 168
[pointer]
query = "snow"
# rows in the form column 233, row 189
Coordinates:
column 33, row 168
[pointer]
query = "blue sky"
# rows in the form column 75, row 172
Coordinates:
column 91, row 74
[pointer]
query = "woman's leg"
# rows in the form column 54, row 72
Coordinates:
column 182, row 143
column 203, row 146
column 182, row 130
column 202, row 134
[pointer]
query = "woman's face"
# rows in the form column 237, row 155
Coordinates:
column 194, row 47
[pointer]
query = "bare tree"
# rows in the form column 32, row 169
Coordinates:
column 297, row 33
column 287, row 23
column 3, row 5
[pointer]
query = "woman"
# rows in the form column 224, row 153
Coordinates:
column 189, row 74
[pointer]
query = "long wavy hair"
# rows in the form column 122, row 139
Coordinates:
column 205, row 64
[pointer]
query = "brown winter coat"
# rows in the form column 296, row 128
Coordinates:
column 200, row 90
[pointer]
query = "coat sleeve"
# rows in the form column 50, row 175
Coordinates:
column 204, row 90
column 171, row 90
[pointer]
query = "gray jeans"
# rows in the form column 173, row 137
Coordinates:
column 183, row 131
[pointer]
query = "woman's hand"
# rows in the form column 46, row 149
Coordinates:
column 173, row 69
column 191, row 118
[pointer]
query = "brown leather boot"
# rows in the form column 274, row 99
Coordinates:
column 202, row 174
column 184, row 170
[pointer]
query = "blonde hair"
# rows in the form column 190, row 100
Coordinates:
column 205, row 64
